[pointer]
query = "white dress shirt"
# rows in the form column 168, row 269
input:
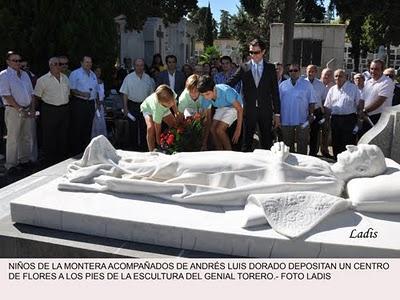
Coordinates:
column 18, row 87
column 343, row 101
column 384, row 87
column 171, row 78
column 137, row 89
column 319, row 91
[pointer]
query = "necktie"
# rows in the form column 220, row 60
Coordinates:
column 257, row 75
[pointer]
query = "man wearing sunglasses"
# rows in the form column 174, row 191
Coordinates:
column 261, row 96
column 298, row 99
column 17, row 93
column 391, row 73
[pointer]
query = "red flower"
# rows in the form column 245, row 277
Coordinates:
column 170, row 139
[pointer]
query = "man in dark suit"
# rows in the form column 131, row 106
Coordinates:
column 261, row 96
column 171, row 76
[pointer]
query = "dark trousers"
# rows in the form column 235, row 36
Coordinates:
column 54, row 129
column 366, row 126
column 342, row 132
column 82, row 113
column 262, row 118
column 137, row 129
column 314, row 132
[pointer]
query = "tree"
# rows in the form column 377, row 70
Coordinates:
column 254, row 17
column 208, row 36
column 39, row 29
column 209, row 54
column 225, row 26
column 382, row 26
column 288, row 31
column 197, row 16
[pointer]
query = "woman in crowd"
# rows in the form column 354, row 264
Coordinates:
column 157, row 62
column 99, row 123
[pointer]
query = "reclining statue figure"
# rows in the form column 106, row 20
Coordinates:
column 223, row 178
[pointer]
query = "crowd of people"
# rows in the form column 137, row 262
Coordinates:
column 61, row 111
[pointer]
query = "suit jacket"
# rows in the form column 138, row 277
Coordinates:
column 267, row 92
column 163, row 78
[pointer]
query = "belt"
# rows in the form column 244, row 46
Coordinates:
column 82, row 99
column 349, row 115
column 14, row 107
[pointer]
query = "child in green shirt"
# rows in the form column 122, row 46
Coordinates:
column 156, row 109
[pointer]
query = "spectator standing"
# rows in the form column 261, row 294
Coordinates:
column 84, row 90
column 64, row 62
column 172, row 77
column 99, row 122
column 328, row 80
column 227, row 72
column 17, row 93
column 279, row 72
column 27, row 68
column 260, row 96
column 342, row 105
column 126, row 69
column 52, row 91
column 320, row 95
column 136, row 87
column 377, row 94
column 359, row 81
column 187, row 70
column 158, row 63
column 391, row 73
column 297, row 108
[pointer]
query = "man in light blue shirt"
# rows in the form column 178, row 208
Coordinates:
column 297, row 107
column 84, row 91
column 229, row 108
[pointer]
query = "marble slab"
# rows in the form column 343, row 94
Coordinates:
column 201, row 228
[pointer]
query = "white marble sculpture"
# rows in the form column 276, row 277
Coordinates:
column 229, row 178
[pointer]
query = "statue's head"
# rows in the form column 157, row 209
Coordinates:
column 363, row 160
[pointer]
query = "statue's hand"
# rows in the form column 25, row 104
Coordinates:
column 280, row 151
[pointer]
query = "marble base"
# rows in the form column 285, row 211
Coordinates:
column 200, row 228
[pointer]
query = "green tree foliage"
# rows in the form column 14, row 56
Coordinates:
column 39, row 29
column 197, row 16
column 208, row 35
column 209, row 54
column 225, row 25
column 254, row 17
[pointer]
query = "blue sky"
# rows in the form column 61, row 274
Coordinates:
column 229, row 5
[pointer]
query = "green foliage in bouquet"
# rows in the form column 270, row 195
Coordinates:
column 187, row 137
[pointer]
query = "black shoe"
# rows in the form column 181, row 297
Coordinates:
column 27, row 166
column 327, row 155
column 13, row 171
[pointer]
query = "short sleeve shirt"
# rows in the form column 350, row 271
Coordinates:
column 52, row 91
column 152, row 107
column 84, row 82
column 319, row 91
column 344, row 100
column 295, row 101
column 226, row 96
column 384, row 87
column 137, row 89
column 185, row 101
column 18, row 87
